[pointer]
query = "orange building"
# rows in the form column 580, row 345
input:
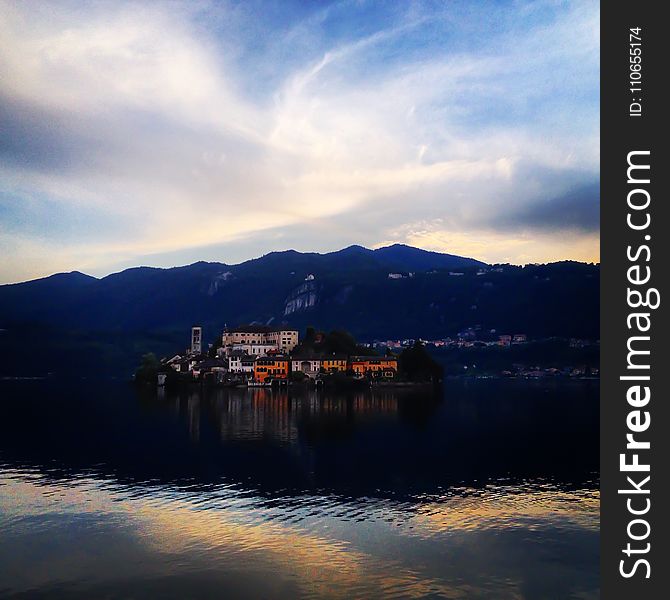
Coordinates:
column 271, row 367
column 334, row 364
column 374, row 366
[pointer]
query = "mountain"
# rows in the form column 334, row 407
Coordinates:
column 391, row 292
column 256, row 290
column 415, row 259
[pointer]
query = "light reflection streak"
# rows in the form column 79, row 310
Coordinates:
column 228, row 526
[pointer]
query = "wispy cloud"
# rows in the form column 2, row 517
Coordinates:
column 157, row 132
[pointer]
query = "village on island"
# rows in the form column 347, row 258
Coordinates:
column 260, row 356
column 264, row 356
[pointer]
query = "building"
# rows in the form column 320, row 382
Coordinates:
column 210, row 365
column 253, row 349
column 285, row 340
column 374, row 366
column 179, row 363
column 310, row 366
column 196, row 340
column 174, row 362
column 336, row 363
column 251, row 334
column 213, row 368
column 271, row 367
column 241, row 365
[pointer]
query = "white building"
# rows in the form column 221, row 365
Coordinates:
column 243, row 336
column 241, row 365
column 253, row 349
column 284, row 340
column 178, row 363
column 308, row 366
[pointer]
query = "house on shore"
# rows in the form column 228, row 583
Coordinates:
column 271, row 368
column 309, row 365
column 334, row 363
column 211, row 367
column 374, row 366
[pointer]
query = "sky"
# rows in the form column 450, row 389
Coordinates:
column 163, row 133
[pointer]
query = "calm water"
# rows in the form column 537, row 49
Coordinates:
column 488, row 491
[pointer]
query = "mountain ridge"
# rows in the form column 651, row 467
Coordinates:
column 390, row 254
column 386, row 293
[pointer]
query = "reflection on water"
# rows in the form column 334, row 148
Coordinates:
column 487, row 492
column 262, row 413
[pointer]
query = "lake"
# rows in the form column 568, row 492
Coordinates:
column 487, row 489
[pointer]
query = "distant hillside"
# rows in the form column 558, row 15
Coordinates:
column 368, row 292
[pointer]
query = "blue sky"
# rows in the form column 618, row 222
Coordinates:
column 160, row 133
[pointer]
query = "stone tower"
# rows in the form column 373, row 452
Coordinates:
column 196, row 340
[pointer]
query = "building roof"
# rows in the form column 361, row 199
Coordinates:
column 257, row 329
column 366, row 358
column 210, row 363
column 272, row 358
column 238, row 354
column 249, row 329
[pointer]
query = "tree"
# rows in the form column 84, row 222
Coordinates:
column 211, row 353
column 147, row 372
column 342, row 342
column 339, row 342
column 417, row 365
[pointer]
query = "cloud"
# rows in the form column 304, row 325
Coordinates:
column 577, row 210
column 165, row 129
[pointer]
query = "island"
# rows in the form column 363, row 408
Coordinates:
column 264, row 356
